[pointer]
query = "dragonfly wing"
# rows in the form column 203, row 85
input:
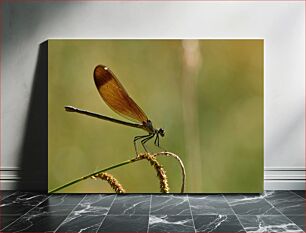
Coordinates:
column 115, row 96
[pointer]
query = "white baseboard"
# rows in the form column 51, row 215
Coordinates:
column 276, row 178
column 9, row 178
column 284, row 178
column 8, row 185
column 284, row 185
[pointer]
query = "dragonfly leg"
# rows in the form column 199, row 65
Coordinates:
column 156, row 143
column 145, row 140
column 135, row 140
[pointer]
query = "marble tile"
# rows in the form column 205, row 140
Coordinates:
column 65, row 199
column 209, row 205
column 166, row 223
column 233, row 197
column 88, row 215
column 170, row 205
column 299, row 220
column 48, row 215
column 250, row 205
column 217, row 223
column 60, row 205
column 130, row 205
column 81, row 223
column 21, row 202
column 301, row 193
column 5, row 193
column 266, row 223
column 7, row 220
column 286, row 202
column 98, row 199
column 126, row 223
column 95, row 204
column 35, row 223
column 33, row 212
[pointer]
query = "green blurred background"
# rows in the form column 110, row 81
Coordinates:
column 206, row 94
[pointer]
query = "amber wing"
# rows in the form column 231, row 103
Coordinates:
column 115, row 96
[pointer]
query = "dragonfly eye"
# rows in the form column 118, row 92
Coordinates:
column 161, row 132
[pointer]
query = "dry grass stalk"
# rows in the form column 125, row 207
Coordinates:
column 169, row 154
column 161, row 173
column 164, row 187
column 113, row 182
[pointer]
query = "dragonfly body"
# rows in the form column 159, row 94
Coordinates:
column 117, row 98
column 152, row 132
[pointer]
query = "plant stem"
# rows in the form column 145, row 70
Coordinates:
column 93, row 174
column 164, row 153
column 169, row 154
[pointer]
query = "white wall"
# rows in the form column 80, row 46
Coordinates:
column 281, row 24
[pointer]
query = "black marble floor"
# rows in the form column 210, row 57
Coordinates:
column 272, row 211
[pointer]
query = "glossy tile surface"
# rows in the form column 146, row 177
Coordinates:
column 170, row 205
column 286, row 202
column 217, row 223
column 5, row 194
column 266, row 223
column 209, row 205
column 130, row 205
column 168, row 223
column 251, row 205
column 272, row 211
column 128, row 223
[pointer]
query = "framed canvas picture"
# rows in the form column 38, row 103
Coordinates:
column 198, row 100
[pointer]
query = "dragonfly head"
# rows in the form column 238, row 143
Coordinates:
column 161, row 132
